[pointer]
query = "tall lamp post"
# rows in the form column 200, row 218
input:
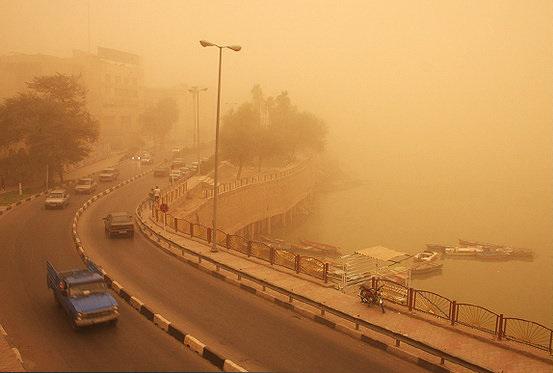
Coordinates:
column 235, row 48
column 196, row 96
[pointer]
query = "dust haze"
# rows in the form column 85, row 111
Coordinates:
column 445, row 98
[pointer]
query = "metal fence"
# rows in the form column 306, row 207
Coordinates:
column 470, row 315
column 278, row 257
column 473, row 316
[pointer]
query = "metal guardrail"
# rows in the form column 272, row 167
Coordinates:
column 397, row 337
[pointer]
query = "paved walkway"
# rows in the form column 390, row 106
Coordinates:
column 463, row 342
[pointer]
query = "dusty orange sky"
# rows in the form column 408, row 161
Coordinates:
column 469, row 81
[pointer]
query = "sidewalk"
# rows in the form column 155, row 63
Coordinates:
column 480, row 349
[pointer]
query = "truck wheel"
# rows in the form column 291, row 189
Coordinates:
column 74, row 325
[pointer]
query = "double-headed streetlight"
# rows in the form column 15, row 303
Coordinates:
column 235, row 48
column 195, row 91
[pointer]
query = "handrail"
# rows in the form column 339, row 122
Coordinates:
column 294, row 296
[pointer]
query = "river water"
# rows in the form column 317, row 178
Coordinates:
column 406, row 208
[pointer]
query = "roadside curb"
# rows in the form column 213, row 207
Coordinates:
column 15, row 362
column 433, row 367
column 22, row 201
column 157, row 319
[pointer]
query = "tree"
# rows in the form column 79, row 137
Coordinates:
column 49, row 123
column 158, row 120
column 238, row 136
column 266, row 128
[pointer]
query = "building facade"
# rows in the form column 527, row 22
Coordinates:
column 114, row 80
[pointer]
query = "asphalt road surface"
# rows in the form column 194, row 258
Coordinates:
column 254, row 333
column 29, row 236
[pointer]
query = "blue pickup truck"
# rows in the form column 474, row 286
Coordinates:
column 83, row 295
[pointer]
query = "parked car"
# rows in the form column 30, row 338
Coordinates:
column 86, row 185
column 119, row 224
column 57, row 198
column 161, row 171
column 83, row 295
column 109, row 174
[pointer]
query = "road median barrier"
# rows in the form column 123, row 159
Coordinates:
column 160, row 321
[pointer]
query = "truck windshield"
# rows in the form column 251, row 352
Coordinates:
column 79, row 290
column 55, row 195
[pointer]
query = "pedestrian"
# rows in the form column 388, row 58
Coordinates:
column 157, row 194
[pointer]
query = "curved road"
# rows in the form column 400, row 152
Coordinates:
column 29, row 236
column 252, row 332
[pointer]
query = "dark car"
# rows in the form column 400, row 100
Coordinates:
column 119, row 224
column 109, row 174
column 161, row 172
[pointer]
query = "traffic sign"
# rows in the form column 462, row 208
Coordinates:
column 164, row 207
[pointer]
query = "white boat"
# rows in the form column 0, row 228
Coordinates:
column 427, row 256
column 463, row 251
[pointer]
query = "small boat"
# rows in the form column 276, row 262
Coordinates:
column 427, row 256
column 493, row 254
column 436, row 247
column 426, row 267
column 463, row 251
column 498, row 251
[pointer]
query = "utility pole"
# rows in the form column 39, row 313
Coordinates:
column 195, row 91
column 88, row 26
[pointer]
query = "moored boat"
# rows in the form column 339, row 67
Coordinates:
column 427, row 256
column 426, row 267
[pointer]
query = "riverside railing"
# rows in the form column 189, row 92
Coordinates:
column 242, row 245
column 470, row 315
column 477, row 317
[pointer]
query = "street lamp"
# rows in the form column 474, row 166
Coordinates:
column 235, row 48
column 196, row 96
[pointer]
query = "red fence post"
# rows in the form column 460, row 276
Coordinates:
column 209, row 238
column 500, row 327
column 249, row 248
column 227, row 241
column 410, row 298
column 176, row 230
column 325, row 273
column 271, row 255
column 298, row 264
column 453, row 312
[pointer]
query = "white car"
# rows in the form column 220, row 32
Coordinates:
column 86, row 185
column 57, row 198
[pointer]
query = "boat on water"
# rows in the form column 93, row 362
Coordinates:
column 421, row 268
column 308, row 248
column 463, row 251
column 436, row 247
column 495, row 251
column 427, row 256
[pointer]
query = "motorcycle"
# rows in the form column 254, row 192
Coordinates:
column 370, row 295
